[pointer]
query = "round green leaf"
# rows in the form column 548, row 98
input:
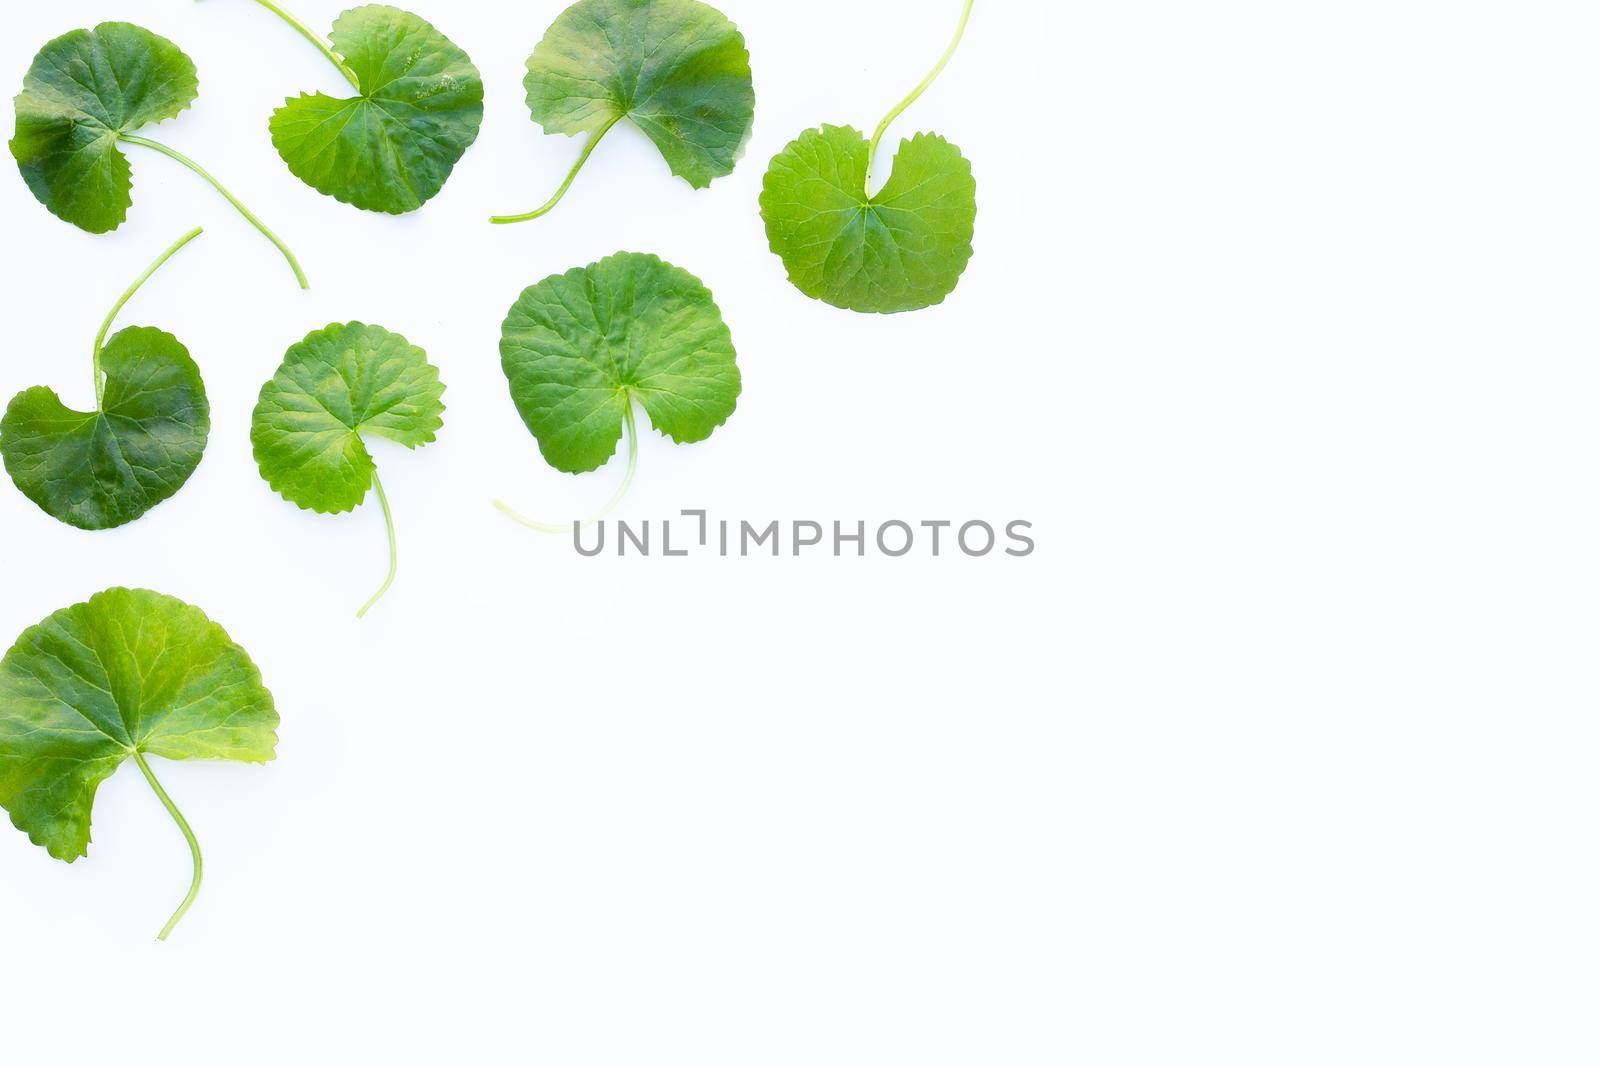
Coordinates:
column 337, row 384
column 128, row 671
column 900, row 249
column 677, row 68
column 84, row 89
column 99, row 469
column 578, row 347
column 392, row 147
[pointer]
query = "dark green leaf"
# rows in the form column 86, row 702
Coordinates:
column 100, row 469
column 84, row 89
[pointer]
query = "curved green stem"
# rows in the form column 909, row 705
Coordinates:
column 883, row 127
column 315, row 38
column 549, row 205
column 173, row 153
column 616, row 498
column 394, row 555
column 111, row 316
column 188, row 835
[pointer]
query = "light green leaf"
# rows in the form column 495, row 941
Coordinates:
column 84, row 90
column 899, row 249
column 678, row 69
column 337, row 384
column 99, row 469
column 127, row 674
column 391, row 147
column 578, row 348
column 127, row 671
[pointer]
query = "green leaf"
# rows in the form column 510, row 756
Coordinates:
column 579, row 347
column 99, row 469
column 900, row 249
column 87, row 91
column 391, row 147
column 84, row 90
column 126, row 671
column 678, row 69
column 102, row 468
column 338, row 383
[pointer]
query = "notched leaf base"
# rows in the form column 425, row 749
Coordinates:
column 337, row 384
column 83, row 90
column 677, row 69
column 578, row 347
column 127, row 670
column 902, row 248
column 391, row 148
column 100, row 469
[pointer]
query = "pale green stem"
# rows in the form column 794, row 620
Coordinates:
column 549, row 205
column 188, row 835
column 111, row 316
column 616, row 498
column 315, row 38
column 394, row 556
column 173, row 153
column 883, row 127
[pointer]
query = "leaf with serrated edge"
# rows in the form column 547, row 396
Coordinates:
column 84, row 89
column 392, row 147
column 338, row 383
column 678, row 69
column 578, row 347
column 901, row 249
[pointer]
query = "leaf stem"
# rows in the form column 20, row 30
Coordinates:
column 105, row 327
column 315, row 38
column 549, row 205
column 173, row 153
column 883, row 127
column 616, row 498
column 188, row 834
column 394, row 555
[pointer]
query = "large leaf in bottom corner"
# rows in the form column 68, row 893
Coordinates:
column 128, row 670
column 392, row 147
column 578, row 347
column 901, row 249
column 99, row 469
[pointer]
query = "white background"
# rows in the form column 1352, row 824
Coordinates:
column 1280, row 750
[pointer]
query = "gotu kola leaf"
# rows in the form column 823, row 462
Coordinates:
column 899, row 248
column 417, row 108
column 678, row 69
column 332, row 387
column 127, row 674
column 579, row 348
column 102, row 468
column 85, row 94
